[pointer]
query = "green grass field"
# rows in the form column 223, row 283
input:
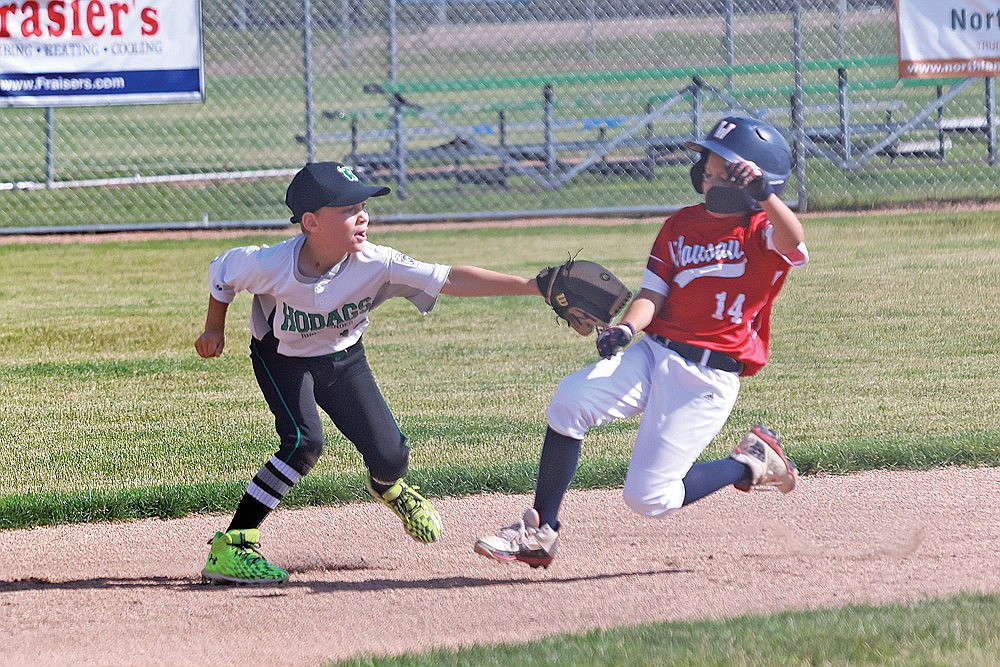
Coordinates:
column 959, row 631
column 885, row 355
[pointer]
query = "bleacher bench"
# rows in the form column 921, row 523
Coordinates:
column 471, row 151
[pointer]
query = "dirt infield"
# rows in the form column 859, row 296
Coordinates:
column 129, row 594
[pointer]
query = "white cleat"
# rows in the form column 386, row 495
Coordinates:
column 760, row 450
column 524, row 541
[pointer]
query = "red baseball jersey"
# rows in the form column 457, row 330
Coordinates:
column 723, row 275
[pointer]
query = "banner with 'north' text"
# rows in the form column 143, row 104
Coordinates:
column 100, row 52
column 948, row 38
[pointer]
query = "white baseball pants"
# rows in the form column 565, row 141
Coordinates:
column 684, row 406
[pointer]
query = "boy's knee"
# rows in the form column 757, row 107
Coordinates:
column 656, row 504
column 389, row 464
column 566, row 415
column 303, row 456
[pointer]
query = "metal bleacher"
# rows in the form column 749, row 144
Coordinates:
column 552, row 150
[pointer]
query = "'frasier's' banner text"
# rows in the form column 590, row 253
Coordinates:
column 948, row 38
column 97, row 52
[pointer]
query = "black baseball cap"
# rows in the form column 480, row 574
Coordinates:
column 320, row 184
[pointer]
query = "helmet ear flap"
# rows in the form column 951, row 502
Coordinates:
column 698, row 173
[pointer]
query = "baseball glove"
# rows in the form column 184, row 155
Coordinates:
column 583, row 293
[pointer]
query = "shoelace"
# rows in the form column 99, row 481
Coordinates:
column 249, row 553
column 516, row 533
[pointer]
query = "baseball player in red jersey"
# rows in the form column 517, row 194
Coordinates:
column 705, row 304
column 312, row 296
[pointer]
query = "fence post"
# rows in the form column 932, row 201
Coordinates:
column 696, row 85
column 50, row 146
column 502, row 140
column 307, row 69
column 346, row 48
column 399, row 145
column 730, row 41
column 798, row 116
column 391, row 45
column 591, row 38
column 940, row 124
column 841, row 23
column 550, row 149
column 991, row 125
column 844, row 112
column 354, row 140
column 242, row 16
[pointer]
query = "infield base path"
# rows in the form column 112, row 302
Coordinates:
column 129, row 594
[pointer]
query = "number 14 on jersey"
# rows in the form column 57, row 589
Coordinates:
column 735, row 309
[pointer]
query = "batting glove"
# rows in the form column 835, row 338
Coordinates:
column 750, row 177
column 613, row 339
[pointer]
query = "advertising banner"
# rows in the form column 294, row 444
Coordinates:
column 948, row 39
column 100, row 52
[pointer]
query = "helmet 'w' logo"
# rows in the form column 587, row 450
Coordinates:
column 722, row 129
column 562, row 300
column 347, row 173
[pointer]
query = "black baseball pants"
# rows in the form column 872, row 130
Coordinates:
column 342, row 385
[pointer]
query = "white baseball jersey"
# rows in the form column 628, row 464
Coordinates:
column 312, row 317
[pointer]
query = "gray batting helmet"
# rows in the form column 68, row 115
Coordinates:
column 737, row 138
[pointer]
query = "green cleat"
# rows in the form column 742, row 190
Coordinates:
column 420, row 520
column 234, row 559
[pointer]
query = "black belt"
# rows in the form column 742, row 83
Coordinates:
column 700, row 355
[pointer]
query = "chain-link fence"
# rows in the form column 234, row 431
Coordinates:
column 485, row 107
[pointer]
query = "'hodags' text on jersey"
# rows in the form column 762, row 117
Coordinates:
column 303, row 322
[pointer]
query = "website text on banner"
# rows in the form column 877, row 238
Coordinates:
column 98, row 52
column 943, row 39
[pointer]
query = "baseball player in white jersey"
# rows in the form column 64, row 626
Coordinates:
column 311, row 298
column 705, row 304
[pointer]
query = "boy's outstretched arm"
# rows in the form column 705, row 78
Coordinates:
column 474, row 281
column 637, row 317
column 212, row 341
column 642, row 310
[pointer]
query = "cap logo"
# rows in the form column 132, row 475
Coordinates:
column 722, row 129
column 347, row 173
